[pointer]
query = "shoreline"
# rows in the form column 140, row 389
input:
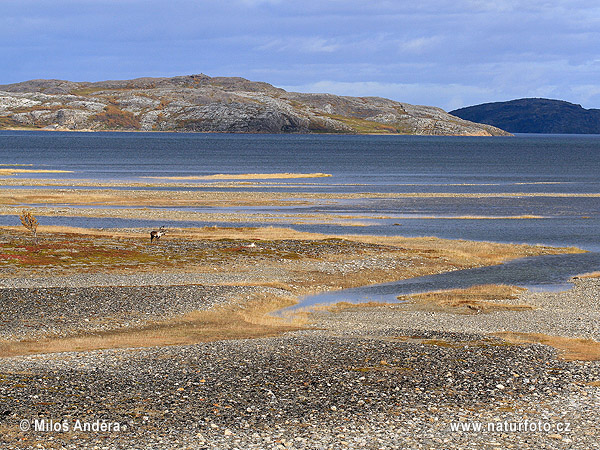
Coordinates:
column 356, row 375
column 172, row 340
column 88, row 130
column 218, row 373
column 296, row 263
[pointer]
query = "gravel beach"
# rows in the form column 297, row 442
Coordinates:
column 352, row 380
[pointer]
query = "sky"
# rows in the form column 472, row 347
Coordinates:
column 445, row 53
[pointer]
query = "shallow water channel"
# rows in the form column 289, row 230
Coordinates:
column 539, row 273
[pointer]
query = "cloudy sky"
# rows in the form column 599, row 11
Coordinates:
column 447, row 53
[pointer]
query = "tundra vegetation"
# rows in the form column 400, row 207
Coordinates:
column 29, row 221
column 292, row 263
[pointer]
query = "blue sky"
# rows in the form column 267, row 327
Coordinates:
column 443, row 53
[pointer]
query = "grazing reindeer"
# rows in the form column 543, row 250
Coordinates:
column 157, row 234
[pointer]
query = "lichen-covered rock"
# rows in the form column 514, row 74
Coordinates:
column 199, row 103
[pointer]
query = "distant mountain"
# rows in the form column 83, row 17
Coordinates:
column 534, row 115
column 206, row 104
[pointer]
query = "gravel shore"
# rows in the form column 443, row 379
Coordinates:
column 573, row 313
column 351, row 381
column 58, row 312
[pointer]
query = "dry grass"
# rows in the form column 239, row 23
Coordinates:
column 248, row 176
column 5, row 172
column 344, row 306
column 467, row 252
column 589, row 275
column 243, row 321
column 115, row 118
column 475, row 299
column 569, row 348
column 482, row 343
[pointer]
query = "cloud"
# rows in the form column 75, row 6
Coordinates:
column 419, row 45
column 447, row 53
column 309, row 44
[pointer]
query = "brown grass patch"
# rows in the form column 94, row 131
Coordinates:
column 588, row 275
column 4, row 172
column 344, row 306
column 242, row 321
column 467, row 253
column 114, row 118
column 64, row 253
column 475, row 299
column 569, row 348
column 480, row 343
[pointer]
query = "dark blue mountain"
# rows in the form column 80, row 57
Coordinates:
column 534, row 115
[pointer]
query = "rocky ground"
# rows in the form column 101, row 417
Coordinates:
column 201, row 103
column 574, row 313
column 352, row 380
column 59, row 312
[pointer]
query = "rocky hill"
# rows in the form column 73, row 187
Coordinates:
column 535, row 115
column 207, row 104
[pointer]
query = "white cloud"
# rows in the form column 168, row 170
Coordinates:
column 302, row 44
column 419, row 45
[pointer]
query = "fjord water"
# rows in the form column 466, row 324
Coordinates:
column 541, row 165
column 384, row 163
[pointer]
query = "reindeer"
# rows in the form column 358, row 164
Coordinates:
column 157, row 234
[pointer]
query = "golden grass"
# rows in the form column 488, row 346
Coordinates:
column 483, row 342
column 242, row 321
column 475, row 299
column 4, row 172
column 589, row 275
column 467, row 252
column 247, row 176
column 569, row 348
column 345, row 306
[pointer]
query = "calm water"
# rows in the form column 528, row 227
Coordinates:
column 387, row 163
column 359, row 164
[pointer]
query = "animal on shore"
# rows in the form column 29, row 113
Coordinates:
column 156, row 234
